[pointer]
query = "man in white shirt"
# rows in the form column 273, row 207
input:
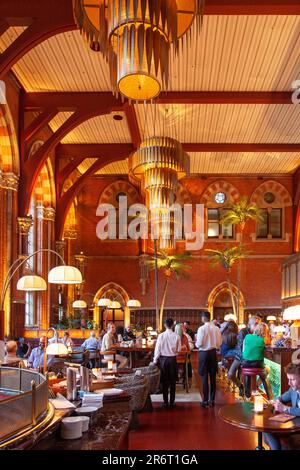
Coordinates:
column 108, row 342
column 167, row 347
column 209, row 339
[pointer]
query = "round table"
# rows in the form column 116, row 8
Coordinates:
column 242, row 416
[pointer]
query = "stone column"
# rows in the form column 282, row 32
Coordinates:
column 45, row 229
column 8, row 211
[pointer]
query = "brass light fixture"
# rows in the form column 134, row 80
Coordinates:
column 135, row 37
column 159, row 163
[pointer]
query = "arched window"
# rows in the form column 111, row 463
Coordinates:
column 215, row 198
column 272, row 198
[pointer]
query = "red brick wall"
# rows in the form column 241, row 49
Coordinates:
column 118, row 261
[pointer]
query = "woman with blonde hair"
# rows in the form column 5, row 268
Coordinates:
column 253, row 354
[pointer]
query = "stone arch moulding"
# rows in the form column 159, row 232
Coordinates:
column 283, row 197
column 109, row 193
column 9, row 153
column 221, row 288
column 224, row 186
column 120, row 290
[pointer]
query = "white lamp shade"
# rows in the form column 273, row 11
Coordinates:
column 65, row 275
column 31, row 283
column 56, row 349
column 115, row 305
column 230, row 316
column 271, row 318
column 79, row 304
column 104, row 302
column 134, row 304
column 240, row 327
column 279, row 329
column 292, row 313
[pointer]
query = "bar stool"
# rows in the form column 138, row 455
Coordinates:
column 253, row 372
column 107, row 353
column 183, row 364
column 230, row 384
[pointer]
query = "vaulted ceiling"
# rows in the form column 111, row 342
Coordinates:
column 229, row 101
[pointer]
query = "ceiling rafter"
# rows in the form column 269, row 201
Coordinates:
column 32, row 167
column 45, row 24
column 76, row 151
column 64, row 202
column 68, row 101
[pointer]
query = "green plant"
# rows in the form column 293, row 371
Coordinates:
column 172, row 266
column 227, row 258
column 239, row 213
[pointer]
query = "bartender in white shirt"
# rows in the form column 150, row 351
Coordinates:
column 209, row 339
column 167, row 347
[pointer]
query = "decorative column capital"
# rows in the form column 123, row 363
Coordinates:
column 24, row 224
column 45, row 213
column 9, row 181
column 81, row 259
column 70, row 234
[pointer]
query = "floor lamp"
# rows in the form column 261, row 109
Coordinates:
column 62, row 274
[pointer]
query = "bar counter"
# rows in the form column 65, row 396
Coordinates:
column 275, row 361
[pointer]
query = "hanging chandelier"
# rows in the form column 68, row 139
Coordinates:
column 135, row 38
column 159, row 163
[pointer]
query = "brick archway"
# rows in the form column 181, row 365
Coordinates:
column 218, row 186
column 282, row 196
column 118, row 292
column 221, row 289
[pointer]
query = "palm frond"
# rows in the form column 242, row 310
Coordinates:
column 240, row 212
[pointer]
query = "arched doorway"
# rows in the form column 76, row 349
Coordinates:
column 219, row 301
column 102, row 316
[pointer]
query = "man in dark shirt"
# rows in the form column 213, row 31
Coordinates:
column 232, row 373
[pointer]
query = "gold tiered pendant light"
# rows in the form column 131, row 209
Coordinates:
column 160, row 162
column 135, row 37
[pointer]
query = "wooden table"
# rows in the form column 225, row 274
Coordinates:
column 133, row 349
column 242, row 416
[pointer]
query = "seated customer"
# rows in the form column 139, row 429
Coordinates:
column 229, row 340
column 11, row 358
column 288, row 403
column 23, row 349
column 253, row 354
column 67, row 341
column 128, row 334
column 107, row 344
column 36, row 358
column 187, row 330
column 92, row 345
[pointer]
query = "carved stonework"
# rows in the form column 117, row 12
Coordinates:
column 24, row 224
column 9, row 181
column 45, row 213
column 60, row 246
column 70, row 234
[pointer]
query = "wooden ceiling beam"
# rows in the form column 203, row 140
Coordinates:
column 32, row 167
column 91, row 150
column 133, row 125
column 53, row 17
column 98, row 150
column 39, row 123
column 68, row 101
column 65, row 201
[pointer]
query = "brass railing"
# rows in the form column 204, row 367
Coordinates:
column 28, row 402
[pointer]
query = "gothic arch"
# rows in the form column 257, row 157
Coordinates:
column 282, row 196
column 112, row 290
column 232, row 193
column 108, row 195
column 9, row 153
column 222, row 288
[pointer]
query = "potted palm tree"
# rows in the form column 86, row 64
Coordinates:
column 172, row 265
column 238, row 214
column 226, row 259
